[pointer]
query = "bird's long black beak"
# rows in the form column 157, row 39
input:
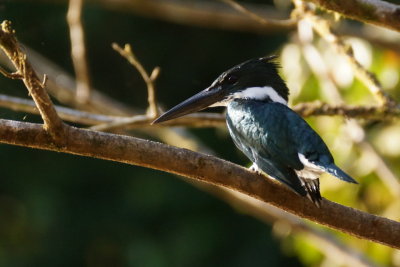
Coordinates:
column 199, row 101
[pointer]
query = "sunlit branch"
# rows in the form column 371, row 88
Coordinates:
column 206, row 168
column 35, row 86
column 381, row 13
column 322, row 27
column 203, row 119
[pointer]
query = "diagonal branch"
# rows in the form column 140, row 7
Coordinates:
column 258, row 18
column 127, row 53
column 323, row 28
column 376, row 12
column 206, row 168
column 36, row 87
column 322, row 240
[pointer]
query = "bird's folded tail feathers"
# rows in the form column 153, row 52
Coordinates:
column 312, row 188
column 337, row 172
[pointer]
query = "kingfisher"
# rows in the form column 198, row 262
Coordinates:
column 276, row 139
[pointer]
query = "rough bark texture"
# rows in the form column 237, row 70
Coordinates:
column 206, row 168
column 376, row 12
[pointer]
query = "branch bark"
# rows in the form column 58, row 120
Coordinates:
column 36, row 87
column 206, row 168
column 200, row 120
column 376, row 12
column 323, row 28
column 208, row 14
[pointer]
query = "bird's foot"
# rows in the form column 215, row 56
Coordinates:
column 254, row 168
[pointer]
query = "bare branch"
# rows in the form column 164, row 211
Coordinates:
column 78, row 50
column 259, row 19
column 206, row 168
column 63, row 87
column 360, row 112
column 207, row 119
column 11, row 48
column 328, row 86
column 202, row 119
column 128, row 54
column 68, row 114
column 202, row 13
column 376, row 12
column 13, row 75
column 323, row 28
column 322, row 240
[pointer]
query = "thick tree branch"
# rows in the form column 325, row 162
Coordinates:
column 36, row 87
column 205, row 168
column 376, row 12
column 322, row 240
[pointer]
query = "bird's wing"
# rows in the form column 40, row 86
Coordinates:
column 310, row 145
column 265, row 149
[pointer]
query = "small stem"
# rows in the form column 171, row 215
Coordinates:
column 256, row 17
column 25, row 72
column 78, row 50
column 128, row 54
column 323, row 28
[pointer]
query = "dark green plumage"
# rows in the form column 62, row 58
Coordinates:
column 272, row 136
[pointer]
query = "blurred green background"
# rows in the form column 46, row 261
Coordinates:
column 64, row 210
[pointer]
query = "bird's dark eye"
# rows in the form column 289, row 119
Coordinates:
column 231, row 79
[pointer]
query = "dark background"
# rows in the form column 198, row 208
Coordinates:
column 64, row 210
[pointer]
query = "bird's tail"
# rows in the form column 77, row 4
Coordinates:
column 336, row 171
column 312, row 188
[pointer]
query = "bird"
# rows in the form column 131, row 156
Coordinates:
column 277, row 140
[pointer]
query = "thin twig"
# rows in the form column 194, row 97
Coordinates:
column 10, row 46
column 128, row 54
column 78, row 50
column 381, row 13
column 323, row 28
column 11, row 75
column 316, row 63
column 210, row 14
column 202, row 119
column 206, row 119
column 62, row 86
column 68, row 114
column 259, row 19
column 349, row 111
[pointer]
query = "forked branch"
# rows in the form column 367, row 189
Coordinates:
column 36, row 87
